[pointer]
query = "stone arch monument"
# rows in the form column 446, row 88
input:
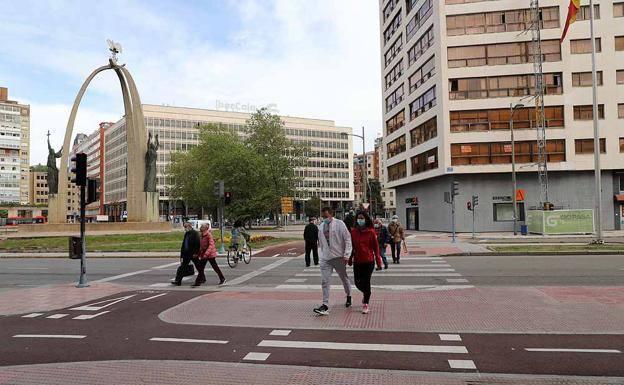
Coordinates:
column 142, row 205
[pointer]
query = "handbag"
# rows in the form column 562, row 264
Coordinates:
column 188, row 270
column 403, row 248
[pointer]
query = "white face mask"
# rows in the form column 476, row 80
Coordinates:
column 395, row 221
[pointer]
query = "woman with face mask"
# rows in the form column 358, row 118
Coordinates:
column 397, row 233
column 383, row 237
column 365, row 255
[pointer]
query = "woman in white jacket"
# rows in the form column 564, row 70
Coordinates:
column 334, row 251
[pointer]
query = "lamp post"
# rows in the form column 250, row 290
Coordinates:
column 512, row 110
column 365, row 174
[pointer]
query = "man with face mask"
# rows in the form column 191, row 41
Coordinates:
column 335, row 248
column 190, row 246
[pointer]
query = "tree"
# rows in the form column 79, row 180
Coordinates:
column 313, row 207
column 377, row 203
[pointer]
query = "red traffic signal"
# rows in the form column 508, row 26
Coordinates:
column 227, row 197
column 469, row 206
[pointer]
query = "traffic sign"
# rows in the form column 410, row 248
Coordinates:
column 520, row 194
column 287, row 205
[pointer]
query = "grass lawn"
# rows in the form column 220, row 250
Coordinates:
column 557, row 248
column 128, row 242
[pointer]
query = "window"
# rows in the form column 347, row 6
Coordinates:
column 392, row 28
column 394, row 98
column 425, row 161
column 395, row 122
column 423, row 103
column 621, row 111
column 619, row 76
column 586, row 112
column 397, row 171
column 618, row 9
column 464, row 154
column 424, row 132
column 502, row 86
column 498, row 119
column 581, row 46
column 586, row 146
column 621, row 150
column 584, row 79
column 503, row 212
column 499, row 21
column 422, row 74
column 424, row 12
column 420, row 47
column 394, row 74
column 583, row 12
column 396, row 147
column 619, row 43
column 389, row 8
column 501, row 54
column 394, row 50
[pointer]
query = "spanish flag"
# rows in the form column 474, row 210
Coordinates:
column 573, row 8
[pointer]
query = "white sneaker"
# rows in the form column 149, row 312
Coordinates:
column 365, row 309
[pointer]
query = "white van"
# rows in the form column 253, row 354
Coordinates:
column 197, row 223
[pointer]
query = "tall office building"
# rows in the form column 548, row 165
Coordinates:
column 14, row 150
column 329, row 172
column 450, row 71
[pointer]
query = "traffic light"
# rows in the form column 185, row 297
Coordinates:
column 475, row 200
column 455, row 188
column 80, row 169
column 93, row 190
column 227, row 197
column 219, row 188
column 469, row 205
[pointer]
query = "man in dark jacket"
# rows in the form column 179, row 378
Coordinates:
column 190, row 247
column 310, row 235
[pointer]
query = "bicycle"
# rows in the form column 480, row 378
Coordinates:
column 234, row 255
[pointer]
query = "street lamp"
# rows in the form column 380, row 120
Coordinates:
column 512, row 110
column 365, row 175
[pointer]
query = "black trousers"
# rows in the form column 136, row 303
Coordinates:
column 396, row 250
column 311, row 247
column 200, row 264
column 362, row 273
column 186, row 259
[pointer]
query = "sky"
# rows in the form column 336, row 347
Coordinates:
column 313, row 59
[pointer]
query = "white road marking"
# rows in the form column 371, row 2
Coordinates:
column 456, row 280
column 449, row 337
column 57, row 316
column 262, row 270
column 364, row 347
column 120, row 276
column 73, row 336
column 278, row 332
column 256, row 356
column 152, row 297
column 439, row 261
column 558, row 350
column 418, row 270
column 160, row 284
column 276, row 255
column 27, row 268
column 462, row 364
column 108, row 303
column 162, row 339
column 90, row 316
column 421, row 258
column 406, row 268
column 409, row 266
column 296, row 280
column 32, row 315
column 382, row 287
column 166, row 266
column 394, row 275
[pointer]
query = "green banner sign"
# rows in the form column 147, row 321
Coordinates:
column 561, row 221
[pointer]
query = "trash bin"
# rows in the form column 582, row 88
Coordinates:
column 75, row 248
column 524, row 229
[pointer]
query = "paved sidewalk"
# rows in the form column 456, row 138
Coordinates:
column 421, row 243
column 219, row 373
column 571, row 310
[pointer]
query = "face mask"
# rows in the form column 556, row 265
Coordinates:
column 395, row 220
column 326, row 221
column 376, row 225
column 361, row 222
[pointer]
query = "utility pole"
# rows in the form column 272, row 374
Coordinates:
column 597, row 176
column 512, row 110
column 365, row 176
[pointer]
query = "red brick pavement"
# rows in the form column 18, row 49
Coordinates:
column 485, row 309
column 220, row 373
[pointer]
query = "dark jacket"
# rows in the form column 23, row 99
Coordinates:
column 192, row 244
column 383, row 236
column 310, row 234
column 349, row 221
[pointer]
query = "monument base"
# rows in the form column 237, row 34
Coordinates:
column 53, row 211
column 151, row 207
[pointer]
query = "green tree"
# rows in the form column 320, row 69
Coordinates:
column 377, row 203
column 313, row 207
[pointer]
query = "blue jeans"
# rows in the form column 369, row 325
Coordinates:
column 382, row 251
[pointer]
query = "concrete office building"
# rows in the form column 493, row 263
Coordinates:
column 14, row 150
column 38, row 191
column 329, row 171
column 451, row 69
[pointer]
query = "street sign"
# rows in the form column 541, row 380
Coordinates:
column 520, row 194
column 365, row 205
column 287, row 205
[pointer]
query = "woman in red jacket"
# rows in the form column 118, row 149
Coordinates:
column 365, row 255
column 207, row 253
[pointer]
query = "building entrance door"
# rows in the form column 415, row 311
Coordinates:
column 412, row 218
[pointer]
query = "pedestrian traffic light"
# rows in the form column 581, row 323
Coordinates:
column 455, row 188
column 219, row 188
column 227, row 198
column 93, row 190
column 80, row 169
column 475, row 200
column 469, row 205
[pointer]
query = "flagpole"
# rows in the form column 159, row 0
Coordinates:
column 597, row 181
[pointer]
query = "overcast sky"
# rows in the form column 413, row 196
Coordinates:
column 315, row 59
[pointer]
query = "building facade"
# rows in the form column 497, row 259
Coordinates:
column 451, row 69
column 387, row 194
column 14, row 150
column 329, row 172
column 368, row 163
column 38, row 192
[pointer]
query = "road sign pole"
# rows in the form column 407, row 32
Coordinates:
column 83, row 262
column 473, row 222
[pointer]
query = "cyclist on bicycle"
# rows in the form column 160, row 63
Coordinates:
column 239, row 236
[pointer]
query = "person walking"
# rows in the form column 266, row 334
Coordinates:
column 207, row 253
column 335, row 250
column 310, row 235
column 190, row 247
column 365, row 255
column 397, row 233
column 383, row 238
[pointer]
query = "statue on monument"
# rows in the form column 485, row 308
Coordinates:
column 150, row 164
column 52, row 169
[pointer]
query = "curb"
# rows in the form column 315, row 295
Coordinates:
column 532, row 253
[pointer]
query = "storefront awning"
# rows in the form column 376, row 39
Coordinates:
column 619, row 197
